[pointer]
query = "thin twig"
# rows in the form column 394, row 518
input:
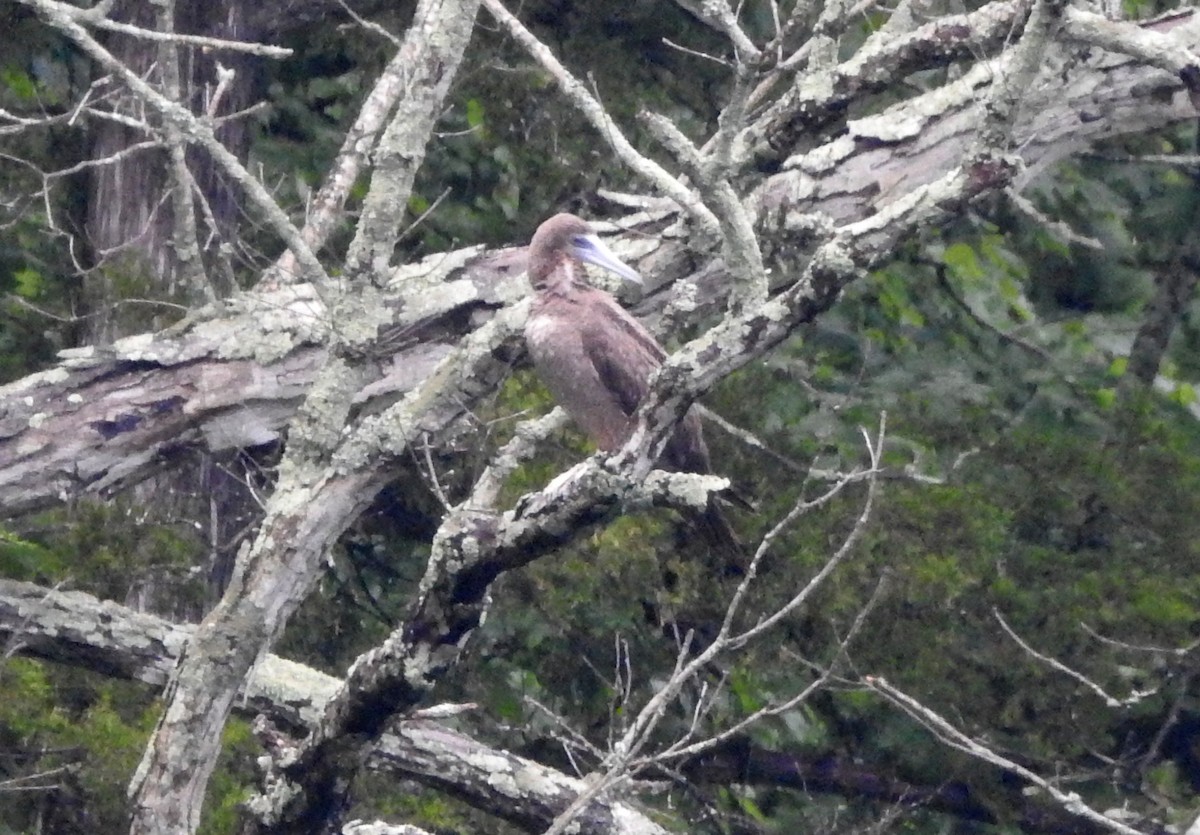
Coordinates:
column 616, row 767
column 265, row 50
column 959, row 741
column 577, row 93
column 1055, row 664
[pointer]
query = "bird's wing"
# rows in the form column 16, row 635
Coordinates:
column 623, row 352
column 571, row 370
column 624, row 355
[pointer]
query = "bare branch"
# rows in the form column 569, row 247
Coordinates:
column 1147, row 46
column 807, row 109
column 185, row 244
column 624, row 756
column 594, row 112
column 314, row 499
column 683, row 748
column 718, row 15
column 956, row 739
column 76, row 628
column 1055, row 664
column 95, row 16
column 62, row 17
column 326, row 206
column 739, row 245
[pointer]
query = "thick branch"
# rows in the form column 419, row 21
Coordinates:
column 87, row 426
column 807, row 109
column 313, row 502
column 77, row 629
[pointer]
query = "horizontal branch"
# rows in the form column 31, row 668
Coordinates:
column 87, row 17
column 77, row 629
column 232, row 375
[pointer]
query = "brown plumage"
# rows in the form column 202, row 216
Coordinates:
column 596, row 359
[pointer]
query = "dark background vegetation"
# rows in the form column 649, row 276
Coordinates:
column 1052, row 491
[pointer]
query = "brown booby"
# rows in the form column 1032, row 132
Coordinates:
column 597, row 360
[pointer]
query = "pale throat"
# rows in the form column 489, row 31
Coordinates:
column 566, row 275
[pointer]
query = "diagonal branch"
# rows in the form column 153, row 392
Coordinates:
column 95, row 17
column 62, row 17
column 598, row 117
column 313, row 502
column 88, row 427
column 76, row 629
column 325, row 209
column 960, row 741
column 806, row 110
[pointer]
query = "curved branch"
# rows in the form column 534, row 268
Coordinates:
column 85, row 426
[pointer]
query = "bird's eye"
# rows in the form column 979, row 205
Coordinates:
column 581, row 242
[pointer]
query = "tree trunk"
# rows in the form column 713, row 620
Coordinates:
column 130, row 221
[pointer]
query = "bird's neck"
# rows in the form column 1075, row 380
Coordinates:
column 565, row 278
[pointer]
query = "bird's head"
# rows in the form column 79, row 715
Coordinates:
column 570, row 237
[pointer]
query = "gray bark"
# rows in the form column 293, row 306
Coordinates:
column 77, row 629
column 314, row 499
column 99, row 423
column 233, row 374
column 74, row 628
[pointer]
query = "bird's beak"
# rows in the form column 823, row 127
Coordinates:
column 591, row 249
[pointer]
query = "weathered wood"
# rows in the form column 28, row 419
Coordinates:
column 233, row 375
column 74, row 628
column 77, row 629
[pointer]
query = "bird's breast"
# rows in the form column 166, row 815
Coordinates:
column 540, row 329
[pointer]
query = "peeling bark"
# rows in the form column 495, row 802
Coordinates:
column 316, row 497
column 305, row 357
column 76, row 629
column 225, row 406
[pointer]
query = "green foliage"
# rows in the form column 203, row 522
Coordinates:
column 89, row 732
column 232, row 782
column 109, row 549
column 21, row 559
column 430, row 810
column 1184, row 394
column 39, row 73
column 19, row 83
column 92, row 729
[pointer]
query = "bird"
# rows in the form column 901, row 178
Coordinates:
column 597, row 360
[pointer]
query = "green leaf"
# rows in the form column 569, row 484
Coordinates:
column 1184, row 394
column 19, row 82
column 25, row 560
column 474, row 114
column 1118, row 366
column 964, row 263
column 1105, row 398
column 742, row 688
column 29, row 283
column 751, row 809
